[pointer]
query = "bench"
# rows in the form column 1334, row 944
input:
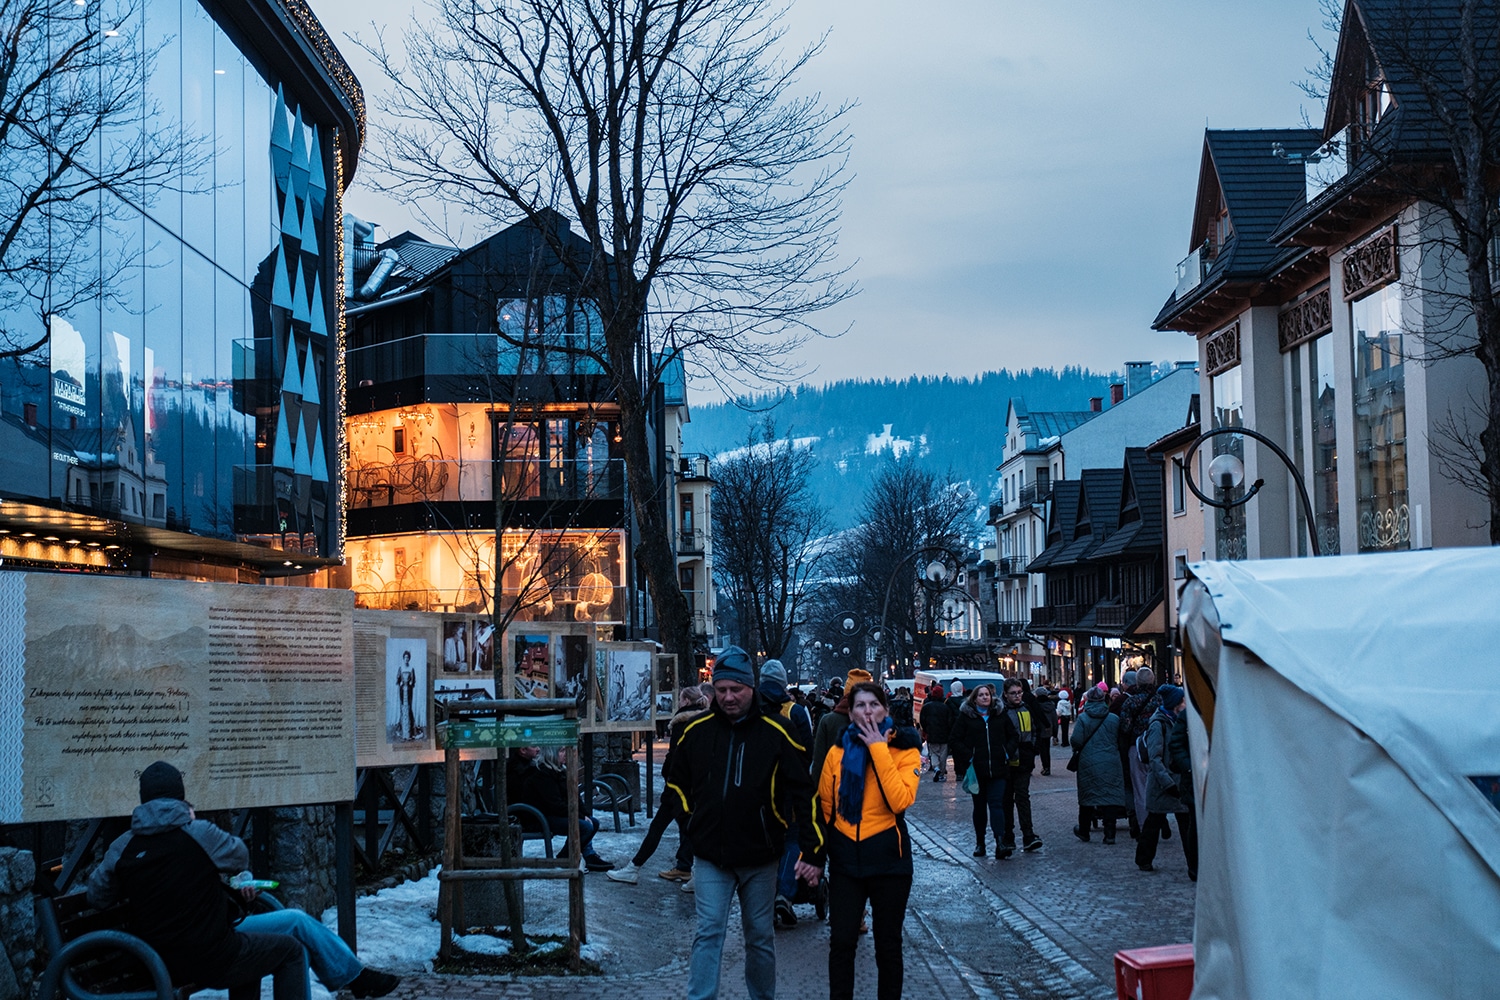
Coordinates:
column 90, row 955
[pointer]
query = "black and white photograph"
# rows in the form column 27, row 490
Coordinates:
column 457, row 647
column 451, row 689
column 570, row 672
column 483, row 634
column 628, row 697
column 405, row 691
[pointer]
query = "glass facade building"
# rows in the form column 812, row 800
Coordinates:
column 170, row 316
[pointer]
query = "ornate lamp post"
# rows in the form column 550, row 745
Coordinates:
column 934, row 577
column 1227, row 472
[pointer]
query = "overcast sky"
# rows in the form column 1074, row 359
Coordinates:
column 1024, row 172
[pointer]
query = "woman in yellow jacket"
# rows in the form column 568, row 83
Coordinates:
column 869, row 780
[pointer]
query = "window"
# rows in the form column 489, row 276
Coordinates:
column 398, row 441
column 1296, row 359
column 1380, row 422
column 29, row 411
column 685, row 577
column 1179, row 488
column 1179, row 565
column 685, row 506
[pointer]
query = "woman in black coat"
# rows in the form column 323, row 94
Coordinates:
column 983, row 732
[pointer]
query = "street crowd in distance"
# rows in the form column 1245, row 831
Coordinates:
column 783, row 797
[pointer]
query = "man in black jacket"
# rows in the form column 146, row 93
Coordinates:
column 937, row 727
column 741, row 777
column 169, row 870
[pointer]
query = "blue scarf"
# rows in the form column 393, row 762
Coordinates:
column 852, row 773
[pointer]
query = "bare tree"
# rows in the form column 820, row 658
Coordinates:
column 907, row 510
column 669, row 131
column 766, row 524
column 75, row 122
column 1419, row 86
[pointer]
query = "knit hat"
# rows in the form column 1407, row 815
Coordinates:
column 733, row 664
column 858, row 676
column 1128, row 678
column 161, row 781
column 773, row 681
column 772, row 670
column 956, row 688
column 1171, row 696
column 1062, row 696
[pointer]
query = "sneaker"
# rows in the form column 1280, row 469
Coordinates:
column 372, row 983
column 1082, row 834
column 626, row 874
column 785, row 915
column 687, row 886
column 1033, row 843
column 594, row 863
column 677, row 874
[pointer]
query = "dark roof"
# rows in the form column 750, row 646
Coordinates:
column 1065, row 496
column 1055, row 422
column 419, row 258
column 1258, row 189
column 1414, row 48
column 1141, row 528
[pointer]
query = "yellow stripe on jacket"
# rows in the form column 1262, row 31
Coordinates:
column 894, row 772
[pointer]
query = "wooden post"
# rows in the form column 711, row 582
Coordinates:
column 650, row 768
column 575, row 886
column 343, row 864
column 452, row 848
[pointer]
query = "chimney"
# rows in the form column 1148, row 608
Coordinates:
column 1137, row 376
column 1096, row 404
column 1116, row 393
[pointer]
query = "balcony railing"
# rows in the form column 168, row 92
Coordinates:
column 1011, row 565
column 1005, row 630
column 1327, row 165
column 1054, row 615
column 1114, row 615
column 425, row 480
column 479, row 355
column 691, row 541
column 1193, row 268
column 1034, row 493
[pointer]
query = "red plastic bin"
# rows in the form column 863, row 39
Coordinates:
column 1161, row 973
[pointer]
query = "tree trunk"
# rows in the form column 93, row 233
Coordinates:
column 653, row 554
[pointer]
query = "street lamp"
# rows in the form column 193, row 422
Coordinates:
column 1227, row 472
column 935, row 577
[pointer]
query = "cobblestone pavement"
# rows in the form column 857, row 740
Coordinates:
column 1040, row 926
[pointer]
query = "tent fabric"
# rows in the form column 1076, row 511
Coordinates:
column 1345, row 850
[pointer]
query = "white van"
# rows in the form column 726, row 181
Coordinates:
column 924, row 679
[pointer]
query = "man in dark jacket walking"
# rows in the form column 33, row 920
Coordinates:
column 741, row 777
column 1024, row 725
column 937, row 729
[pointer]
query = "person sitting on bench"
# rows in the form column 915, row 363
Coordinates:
column 170, row 868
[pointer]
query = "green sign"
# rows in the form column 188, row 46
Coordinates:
column 470, row 733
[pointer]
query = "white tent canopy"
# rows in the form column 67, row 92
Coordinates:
column 1351, row 702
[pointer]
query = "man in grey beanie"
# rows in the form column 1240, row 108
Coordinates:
column 740, row 776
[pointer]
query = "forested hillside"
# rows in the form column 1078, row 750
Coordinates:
column 853, row 427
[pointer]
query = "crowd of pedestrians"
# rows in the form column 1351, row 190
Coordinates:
column 783, row 798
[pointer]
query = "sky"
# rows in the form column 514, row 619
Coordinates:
column 1023, row 173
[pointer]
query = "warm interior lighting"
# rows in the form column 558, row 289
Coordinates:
column 28, row 534
column 51, row 538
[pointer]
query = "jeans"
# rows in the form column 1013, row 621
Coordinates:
column 1044, row 752
column 1187, row 828
column 587, row 827
column 1017, row 802
column 1063, row 722
column 987, row 801
column 887, row 895
column 330, row 958
column 671, row 809
column 937, row 754
column 786, row 870
column 714, row 888
column 278, row 955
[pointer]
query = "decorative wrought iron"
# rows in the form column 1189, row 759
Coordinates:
column 1384, row 529
column 1223, row 350
column 1307, row 319
column 1372, row 263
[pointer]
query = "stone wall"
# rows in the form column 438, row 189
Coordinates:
column 17, row 922
column 302, row 856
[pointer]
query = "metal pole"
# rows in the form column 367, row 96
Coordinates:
column 1185, row 463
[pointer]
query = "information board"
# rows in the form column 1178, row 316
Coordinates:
column 249, row 691
column 542, row 732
